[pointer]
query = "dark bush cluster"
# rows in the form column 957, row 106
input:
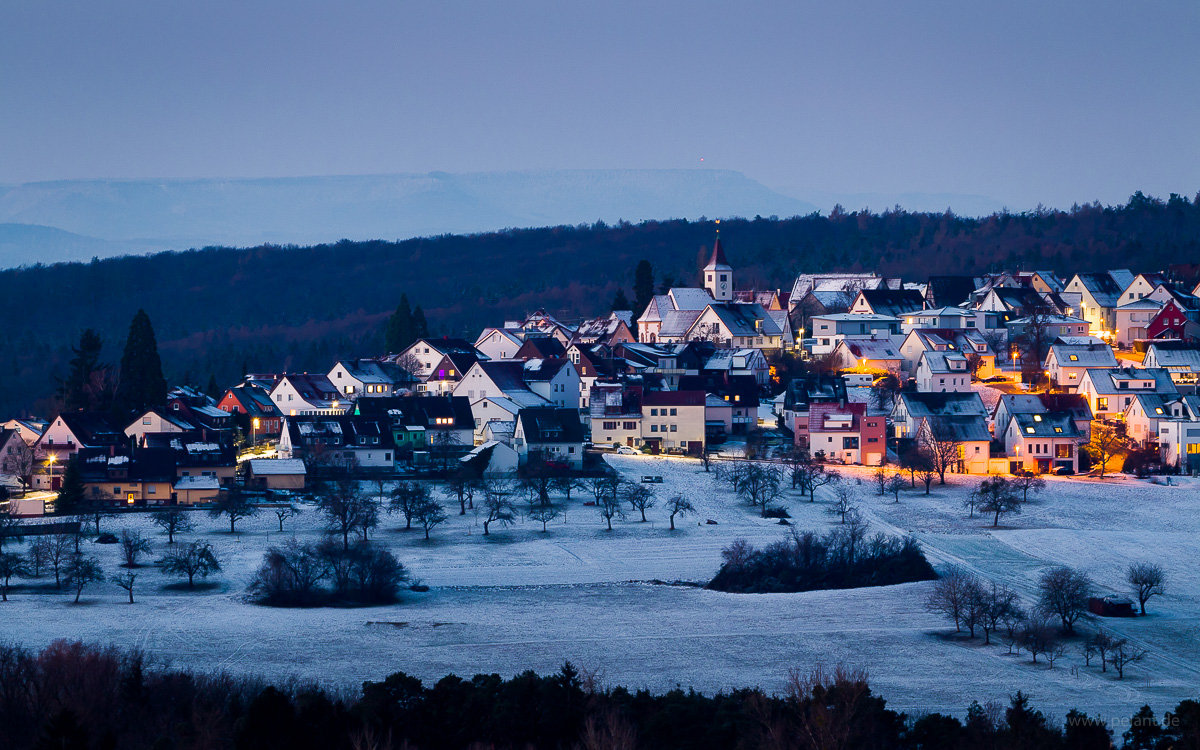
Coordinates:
column 86, row 698
column 308, row 575
column 843, row 558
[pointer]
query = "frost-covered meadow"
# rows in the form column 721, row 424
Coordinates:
column 523, row 599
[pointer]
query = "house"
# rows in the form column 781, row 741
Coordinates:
column 251, row 407
column 970, row 435
column 304, row 394
column 190, row 405
column 368, row 378
column 800, row 395
column 911, row 408
column 343, row 441
column 196, row 490
column 1132, row 320
column 739, row 362
column 852, row 283
column 616, row 414
column 69, row 432
column 615, row 328
column 541, row 323
column 495, row 343
column 942, row 372
column 866, row 355
column 1173, row 321
column 1014, row 303
column 1066, row 362
column 156, row 421
column 949, row 291
column 964, row 341
column 1046, row 282
column 1141, row 287
column 730, row 324
column 1041, row 442
column 556, row 434
column 740, row 392
column 1043, row 403
column 128, row 477
column 952, row 318
column 30, row 430
column 1110, row 391
column 772, row 300
column 1177, row 358
column 497, row 409
column 1101, row 294
column 676, row 310
column 846, row 433
column 674, row 421
column 491, row 459
column 591, row 361
column 891, row 302
column 275, row 473
column 1179, row 436
column 817, row 303
column 447, row 373
column 197, row 457
column 540, row 347
column 554, row 380
column 829, row 330
column 1047, row 328
column 1143, row 415
column 442, row 424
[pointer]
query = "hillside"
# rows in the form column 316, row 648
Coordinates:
column 218, row 310
column 178, row 214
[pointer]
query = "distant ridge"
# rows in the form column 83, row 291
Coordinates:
column 120, row 216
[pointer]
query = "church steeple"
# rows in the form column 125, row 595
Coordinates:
column 718, row 274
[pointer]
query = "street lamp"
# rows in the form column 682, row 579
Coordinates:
column 50, row 468
column 253, row 428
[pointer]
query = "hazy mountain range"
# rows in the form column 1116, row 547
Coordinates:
column 66, row 220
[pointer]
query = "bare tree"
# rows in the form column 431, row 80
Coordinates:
column 1123, row 654
column 173, row 521
column 346, row 510
column 444, row 446
column 544, row 514
column 926, row 474
column 10, row 527
column 893, row 484
column 951, row 594
column 21, row 463
column 1011, row 624
column 60, row 551
column 1054, row 649
column 80, row 571
column 235, row 505
column 678, row 505
column 497, row 506
column 609, row 508
column 843, row 501
column 995, row 496
column 38, row 555
column 406, row 498
column 461, row 485
column 196, row 559
column 565, row 484
column 761, row 487
column 880, row 478
column 133, row 546
column 1026, row 482
column 1000, row 605
column 606, row 485
column 1107, row 441
column 1038, row 637
column 1101, row 644
column 284, row 512
column 639, row 496
column 1146, row 580
column 1063, row 592
column 429, row 513
column 939, row 448
column 12, row 566
column 810, row 475
column 125, row 580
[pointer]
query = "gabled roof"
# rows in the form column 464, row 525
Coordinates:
column 541, row 346
column 1082, row 356
column 276, row 466
column 833, row 300
column 1175, row 357
column 676, row 323
column 1105, row 380
column 542, row 370
column 740, row 319
column 959, row 428
column 93, row 428
column 673, row 398
column 943, row 404
column 823, row 416
column 418, row 410
column 876, row 349
column 1104, row 287
column 254, row 400
column 687, row 298
column 939, row 362
column 950, row 290
column 1054, row 424
column 893, row 302
column 545, row 425
column 1022, row 299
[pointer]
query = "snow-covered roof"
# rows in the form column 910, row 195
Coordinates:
column 274, row 466
column 689, row 298
column 198, row 483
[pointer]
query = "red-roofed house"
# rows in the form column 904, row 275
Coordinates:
column 844, row 432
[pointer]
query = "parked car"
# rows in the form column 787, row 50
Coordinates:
column 625, row 450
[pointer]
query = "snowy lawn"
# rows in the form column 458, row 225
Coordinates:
column 520, row 598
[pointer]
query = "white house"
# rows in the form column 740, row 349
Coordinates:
column 1133, row 318
column 1042, row 442
column 1182, row 363
column 1110, row 391
column 829, row 330
column 154, row 421
column 364, row 378
column 496, row 343
column 555, row 434
column 943, row 372
column 1067, row 362
column 1101, row 294
column 296, row 395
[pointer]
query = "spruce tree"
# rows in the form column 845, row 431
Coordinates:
column 643, row 287
column 71, row 497
column 420, row 326
column 213, row 390
column 399, row 335
column 142, row 385
column 77, row 390
column 620, row 301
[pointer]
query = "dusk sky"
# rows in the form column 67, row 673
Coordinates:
column 1019, row 101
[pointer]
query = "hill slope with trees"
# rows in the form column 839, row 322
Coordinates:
column 222, row 311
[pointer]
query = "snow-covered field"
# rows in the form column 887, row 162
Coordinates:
column 522, row 599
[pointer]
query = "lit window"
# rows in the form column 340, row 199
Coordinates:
column 1029, row 430
column 1037, row 417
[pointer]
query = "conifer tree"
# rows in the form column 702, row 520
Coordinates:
column 71, row 497
column 420, row 326
column 78, row 390
column 399, row 334
column 643, row 287
column 142, row 385
column 213, row 390
column 620, row 301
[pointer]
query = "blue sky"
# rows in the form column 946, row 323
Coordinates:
column 1024, row 102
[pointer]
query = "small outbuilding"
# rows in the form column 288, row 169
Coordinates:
column 1110, row 606
column 276, row 474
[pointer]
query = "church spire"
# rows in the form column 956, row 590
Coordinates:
column 718, row 274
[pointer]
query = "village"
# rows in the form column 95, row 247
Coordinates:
column 1005, row 374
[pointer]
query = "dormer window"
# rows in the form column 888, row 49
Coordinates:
column 1074, row 357
column 1037, row 417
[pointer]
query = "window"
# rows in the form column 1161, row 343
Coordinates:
column 146, row 419
column 117, row 490
column 1101, row 403
column 387, row 456
column 1037, row 417
column 630, row 426
column 1193, row 448
column 654, row 412
column 151, row 489
column 673, row 428
column 1029, row 430
column 654, row 428
column 1074, row 357
column 610, row 425
column 849, row 443
column 673, row 412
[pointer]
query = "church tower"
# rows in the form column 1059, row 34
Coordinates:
column 718, row 274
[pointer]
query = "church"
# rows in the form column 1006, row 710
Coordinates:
column 717, row 312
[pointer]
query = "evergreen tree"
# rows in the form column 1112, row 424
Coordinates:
column 420, row 327
column 142, row 385
column 643, row 287
column 620, row 301
column 78, row 390
column 71, row 497
column 213, row 390
column 399, row 334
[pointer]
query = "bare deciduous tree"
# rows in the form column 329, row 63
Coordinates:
column 843, row 500
column 1026, row 482
column 12, row 566
column 21, row 463
column 235, row 505
column 406, row 498
column 284, row 512
column 81, row 571
column 760, row 487
column 940, row 450
column 952, row 593
column 125, row 580
column 1146, row 580
column 609, row 508
column 39, row 554
column 678, row 505
column 544, row 514
column 60, row 551
column 639, row 496
column 428, row 514
column 196, row 559
column 172, row 521
column 133, row 546
column 996, row 496
column 1107, row 441
column 1063, row 592
column 497, row 505
column 347, row 510
column 1123, row 654
column 1038, row 637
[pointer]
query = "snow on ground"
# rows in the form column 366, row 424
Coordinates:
column 522, row 599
